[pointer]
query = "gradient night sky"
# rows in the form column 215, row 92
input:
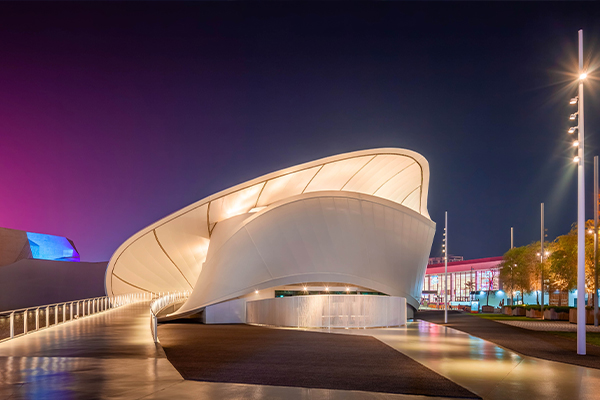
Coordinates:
column 112, row 116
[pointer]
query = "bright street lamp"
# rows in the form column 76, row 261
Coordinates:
column 579, row 159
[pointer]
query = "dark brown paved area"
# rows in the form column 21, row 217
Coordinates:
column 530, row 343
column 257, row 355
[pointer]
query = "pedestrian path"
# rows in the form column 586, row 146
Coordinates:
column 488, row 370
column 549, row 326
column 112, row 355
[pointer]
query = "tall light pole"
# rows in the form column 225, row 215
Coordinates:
column 511, row 238
column 595, row 240
column 446, row 270
column 542, row 260
column 579, row 159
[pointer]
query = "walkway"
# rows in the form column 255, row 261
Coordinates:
column 111, row 355
column 486, row 369
column 544, row 345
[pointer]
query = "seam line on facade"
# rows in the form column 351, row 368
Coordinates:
column 395, row 175
column 311, row 179
column 356, row 173
column 261, row 190
column 170, row 259
column 411, row 192
column 258, row 251
column 207, row 219
column 130, row 284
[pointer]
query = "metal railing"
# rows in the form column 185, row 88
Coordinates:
column 15, row 323
column 159, row 304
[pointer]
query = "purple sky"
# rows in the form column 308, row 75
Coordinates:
column 115, row 115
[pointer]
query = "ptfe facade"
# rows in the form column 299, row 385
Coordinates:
column 357, row 218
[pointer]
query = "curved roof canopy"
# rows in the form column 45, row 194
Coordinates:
column 168, row 255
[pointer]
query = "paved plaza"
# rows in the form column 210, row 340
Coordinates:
column 112, row 355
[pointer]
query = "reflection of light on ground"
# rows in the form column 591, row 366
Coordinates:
column 486, row 369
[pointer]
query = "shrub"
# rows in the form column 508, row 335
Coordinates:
column 560, row 309
column 533, row 307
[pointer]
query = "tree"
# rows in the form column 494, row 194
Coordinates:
column 470, row 286
column 507, row 271
column 519, row 268
column 492, row 275
column 563, row 262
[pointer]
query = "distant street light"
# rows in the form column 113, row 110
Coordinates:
column 445, row 250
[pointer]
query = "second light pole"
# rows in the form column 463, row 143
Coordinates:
column 446, row 270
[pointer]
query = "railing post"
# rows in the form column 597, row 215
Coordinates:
column 37, row 319
column 71, row 310
column 47, row 316
column 64, row 308
column 88, row 307
column 154, row 328
column 25, row 321
column 56, row 314
column 12, row 324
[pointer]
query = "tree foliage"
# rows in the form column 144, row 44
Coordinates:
column 522, row 266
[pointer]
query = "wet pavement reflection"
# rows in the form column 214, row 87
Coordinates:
column 112, row 355
column 485, row 368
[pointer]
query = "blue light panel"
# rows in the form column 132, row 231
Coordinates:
column 50, row 247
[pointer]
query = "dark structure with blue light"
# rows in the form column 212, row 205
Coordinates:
column 37, row 268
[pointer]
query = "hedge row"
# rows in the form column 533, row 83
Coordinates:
column 538, row 308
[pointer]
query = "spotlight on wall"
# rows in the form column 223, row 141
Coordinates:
column 256, row 291
column 327, row 289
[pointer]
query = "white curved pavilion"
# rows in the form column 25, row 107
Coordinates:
column 358, row 219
